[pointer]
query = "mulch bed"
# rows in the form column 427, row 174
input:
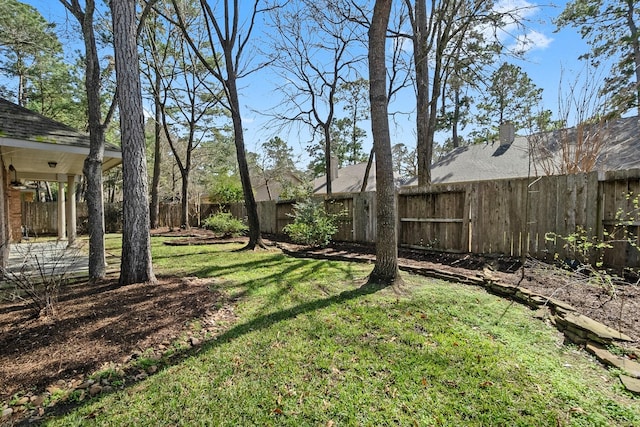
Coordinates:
column 94, row 325
column 104, row 324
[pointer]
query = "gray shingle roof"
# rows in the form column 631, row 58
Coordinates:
column 621, row 150
column 23, row 124
column 350, row 180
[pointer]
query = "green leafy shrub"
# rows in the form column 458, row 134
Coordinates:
column 312, row 224
column 292, row 192
column 226, row 189
column 225, row 224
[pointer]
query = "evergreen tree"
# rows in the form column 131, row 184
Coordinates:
column 26, row 40
column 511, row 97
column 610, row 27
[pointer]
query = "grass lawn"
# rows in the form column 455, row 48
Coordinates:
column 310, row 348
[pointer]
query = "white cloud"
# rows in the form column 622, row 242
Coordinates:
column 521, row 8
column 531, row 41
column 515, row 32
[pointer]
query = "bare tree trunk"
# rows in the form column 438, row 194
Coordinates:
column 456, row 117
column 327, row 154
column 367, row 171
column 22, row 97
column 136, row 265
column 635, row 37
column 48, row 193
column 5, row 233
column 184, row 202
column 423, row 146
column 228, row 75
column 92, row 168
column 255, row 236
column 386, row 271
column 157, row 156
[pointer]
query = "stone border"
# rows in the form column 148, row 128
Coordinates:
column 579, row 329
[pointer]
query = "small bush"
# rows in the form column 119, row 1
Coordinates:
column 225, row 224
column 312, row 224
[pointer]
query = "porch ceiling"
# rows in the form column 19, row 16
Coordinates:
column 31, row 159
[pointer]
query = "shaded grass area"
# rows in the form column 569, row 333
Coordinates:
column 312, row 347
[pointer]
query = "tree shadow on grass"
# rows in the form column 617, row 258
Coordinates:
column 258, row 323
column 267, row 320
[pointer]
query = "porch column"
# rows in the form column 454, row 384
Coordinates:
column 71, row 209
column 62, row 220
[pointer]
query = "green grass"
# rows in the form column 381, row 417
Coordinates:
column 312, row 349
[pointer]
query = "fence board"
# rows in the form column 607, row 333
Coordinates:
column 342, row 208
column 364, row 217
column 536, row 221
column 267, row 215
column 284, row 212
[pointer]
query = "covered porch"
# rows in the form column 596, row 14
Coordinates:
column 36, row 148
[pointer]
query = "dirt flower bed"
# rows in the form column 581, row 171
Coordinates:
column 100, row 327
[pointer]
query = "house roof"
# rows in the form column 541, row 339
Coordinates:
column 269, row 189
column 349, row 180
column 30, row 141
column 620, row 150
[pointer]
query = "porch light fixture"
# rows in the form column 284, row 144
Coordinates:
column 52, row 164
column 15, row 184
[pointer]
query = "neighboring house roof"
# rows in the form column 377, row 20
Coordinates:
column 265, row 188
column 349, row 180
column 30, row 142
column 620, row 150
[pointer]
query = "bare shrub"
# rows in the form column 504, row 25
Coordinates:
column 39, row 274
column 576, row 149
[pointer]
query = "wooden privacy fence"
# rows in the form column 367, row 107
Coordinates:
column 511, row 217
column 355, row 211
column 563, row 216
column 169, row 213
column 528, row 216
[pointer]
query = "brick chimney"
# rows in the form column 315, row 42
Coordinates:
column 507, row 133
column 334, row 168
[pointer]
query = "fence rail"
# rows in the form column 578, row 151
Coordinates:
column 513, row 217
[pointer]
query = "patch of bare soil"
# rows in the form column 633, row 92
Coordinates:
column 194, row 236
column 616, row 305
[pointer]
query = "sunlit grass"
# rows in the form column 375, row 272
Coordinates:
column 312, row 348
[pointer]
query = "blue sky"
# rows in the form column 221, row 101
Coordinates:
column 548, row 54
